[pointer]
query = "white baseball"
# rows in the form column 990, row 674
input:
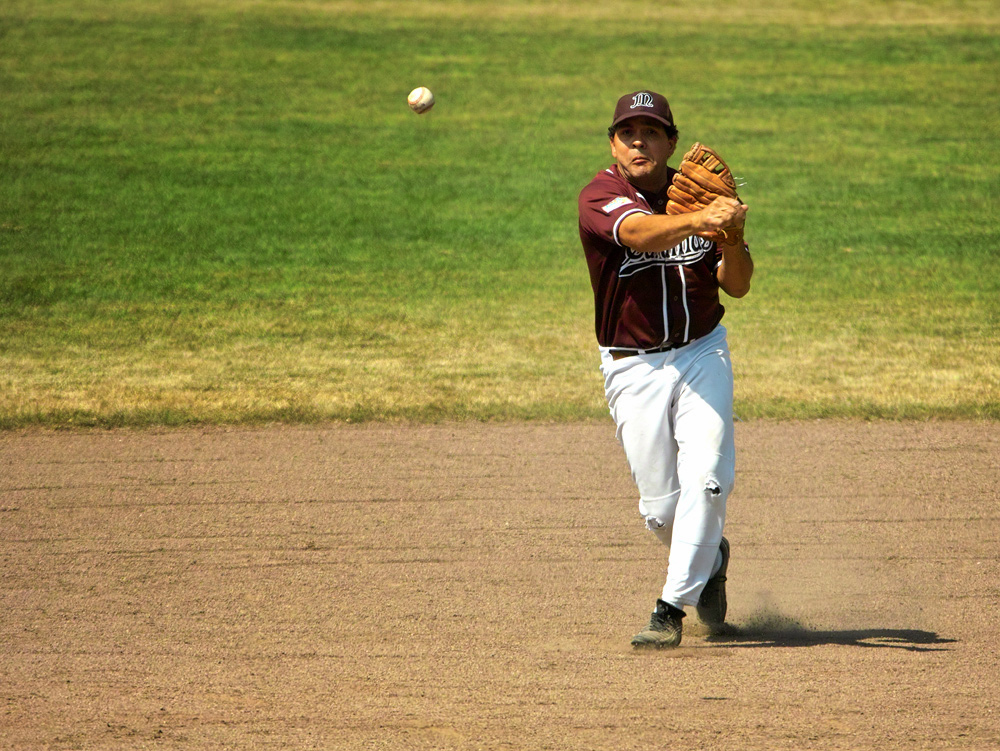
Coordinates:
column 420, row 100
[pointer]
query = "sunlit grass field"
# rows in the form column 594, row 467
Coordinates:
column 224, row 211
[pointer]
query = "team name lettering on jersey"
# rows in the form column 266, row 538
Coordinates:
column 689, row 250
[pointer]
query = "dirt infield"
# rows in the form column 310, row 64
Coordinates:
column 476, row 587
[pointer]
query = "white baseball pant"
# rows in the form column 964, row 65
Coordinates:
column 674, row 417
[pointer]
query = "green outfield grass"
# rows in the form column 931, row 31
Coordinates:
column 224, row 211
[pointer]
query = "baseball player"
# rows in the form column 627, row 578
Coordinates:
column 664, row 355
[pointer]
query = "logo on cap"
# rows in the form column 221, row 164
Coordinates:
column 642, row 99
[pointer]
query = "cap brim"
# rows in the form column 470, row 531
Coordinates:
column 632, row 115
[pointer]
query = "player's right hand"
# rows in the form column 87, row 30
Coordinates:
column 723, row 213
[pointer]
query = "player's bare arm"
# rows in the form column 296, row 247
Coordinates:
column 736, row 269
column 657, row 233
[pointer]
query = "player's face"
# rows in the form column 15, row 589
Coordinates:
column 641, row 148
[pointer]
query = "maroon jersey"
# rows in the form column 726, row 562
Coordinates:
column 644, row 300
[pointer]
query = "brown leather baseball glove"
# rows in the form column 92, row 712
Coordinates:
column 702, row 178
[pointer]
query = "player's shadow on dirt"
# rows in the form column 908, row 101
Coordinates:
column 772, row 630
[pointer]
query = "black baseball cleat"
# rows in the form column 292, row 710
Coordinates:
column 711, row 606
column 664, row 629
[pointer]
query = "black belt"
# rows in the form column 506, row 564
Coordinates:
column 618, row 354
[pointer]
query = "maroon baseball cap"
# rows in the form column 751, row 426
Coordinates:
column 643, row 104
